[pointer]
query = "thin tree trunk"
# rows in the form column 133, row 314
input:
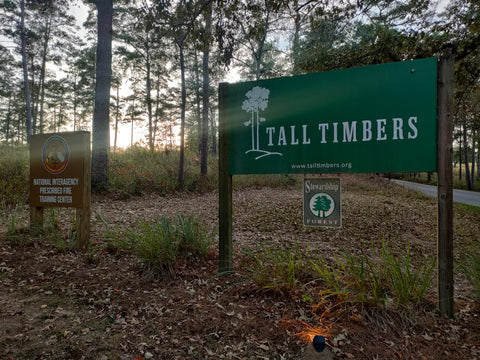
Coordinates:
column 46, row 37
column 197, row 103
column 75, row 101
column 473, row 160
column 157, row 108
column 133, row 119
column 9, row 114
column 117, row 115
column 206, row 90
column 296, row 38
column 213, row 132
column 151, row 140
column 101, row 115
column 467, row 168
column 182, row 117
column 33, row 96
column 460, row 158
column 23, row 36
column 478, row 160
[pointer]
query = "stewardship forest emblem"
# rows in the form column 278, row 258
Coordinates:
column 322, row 202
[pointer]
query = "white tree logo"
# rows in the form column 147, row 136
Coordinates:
column 257, row 100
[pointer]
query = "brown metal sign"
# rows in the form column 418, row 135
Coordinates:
column 57, row 169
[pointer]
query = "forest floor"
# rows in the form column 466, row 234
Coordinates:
column 101, row 304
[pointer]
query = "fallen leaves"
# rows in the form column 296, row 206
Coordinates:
column 100, row 305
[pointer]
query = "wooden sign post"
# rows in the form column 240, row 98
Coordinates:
column 60, row 177
column 444, row 192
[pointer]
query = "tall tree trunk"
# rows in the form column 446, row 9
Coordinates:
column 151, row 140
column 182, row 117
column 472, row 173
column 46, row 38
column 460, row 158
column 467, row 165
column 197, row 101
column 9, row 114
column 101, row 115
column 478, row 160
column 75, row 102
column 26, row 89
column 117, row 115
column 133, row 120
column 213, row 132
column 206, row 90
column 157, row 107
column 296, row 38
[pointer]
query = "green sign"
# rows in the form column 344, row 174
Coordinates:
column 379, row 118
column 322, row 202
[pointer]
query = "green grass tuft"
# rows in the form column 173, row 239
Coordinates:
column 471, row 270
column 272, row 267
column 160, row 244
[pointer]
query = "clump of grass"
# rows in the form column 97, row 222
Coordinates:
column 161, row 243
column 380, row 279
column 272, row 267
column 351, row 278
column 387, row 280
column 471, row 270
column 406, row 284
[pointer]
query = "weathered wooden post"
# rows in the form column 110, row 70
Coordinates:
column 445, row 85
column 225, row 261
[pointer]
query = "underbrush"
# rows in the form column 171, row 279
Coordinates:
column 380, row 278
column 160, row 244
column 138, row 170
column 131, row 172
column 273, row 267
column 471, row 269
column 14, row 170
column 59, row 229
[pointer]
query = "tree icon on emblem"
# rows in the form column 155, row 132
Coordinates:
column 257, row 100
column 322, row 205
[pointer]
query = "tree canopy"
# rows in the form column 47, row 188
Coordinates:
column 168, row 58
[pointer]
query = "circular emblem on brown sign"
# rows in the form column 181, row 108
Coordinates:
column 55, row 154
